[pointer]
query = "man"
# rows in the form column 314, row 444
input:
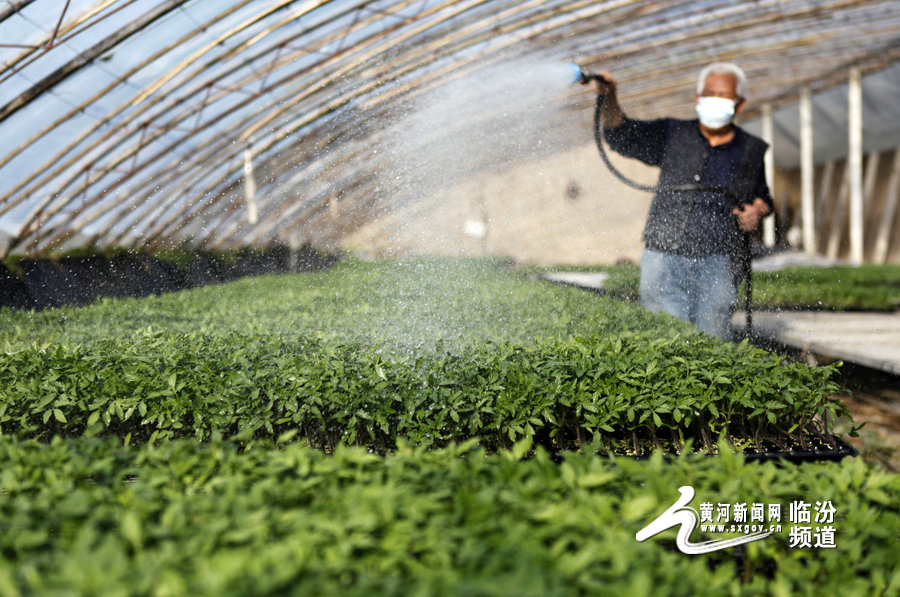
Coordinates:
column 693, row 238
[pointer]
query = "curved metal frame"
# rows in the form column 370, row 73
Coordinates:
column 181, row 171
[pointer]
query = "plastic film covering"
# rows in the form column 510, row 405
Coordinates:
column 131, row 122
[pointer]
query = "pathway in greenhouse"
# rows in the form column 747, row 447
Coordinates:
column 585, row 280
column 869, row 339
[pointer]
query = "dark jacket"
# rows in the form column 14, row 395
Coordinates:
column 680, row 151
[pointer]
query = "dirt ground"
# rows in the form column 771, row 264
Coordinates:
column 875, row 401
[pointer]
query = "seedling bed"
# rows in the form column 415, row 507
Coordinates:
column 571, row 370
column 226, row 519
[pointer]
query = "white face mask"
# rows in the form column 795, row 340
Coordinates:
column 715, row 112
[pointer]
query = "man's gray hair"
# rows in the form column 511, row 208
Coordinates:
column 724, row 68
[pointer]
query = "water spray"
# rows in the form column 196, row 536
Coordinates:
column 745, row 273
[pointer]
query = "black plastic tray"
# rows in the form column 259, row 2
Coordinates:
column 842, row 450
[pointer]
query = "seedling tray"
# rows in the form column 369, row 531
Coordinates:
column 841, row 450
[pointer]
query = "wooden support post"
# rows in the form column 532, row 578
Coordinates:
column 807, row 212
column 824, row 189
column 870, row 176
column 768, row 136
column 855, row 163
column 784, row 208
column 886, row 224
column 871, row 173
column 334, row 208
column 250, row 186
column 837, row 218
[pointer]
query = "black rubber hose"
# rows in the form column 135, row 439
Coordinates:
column 746, row 273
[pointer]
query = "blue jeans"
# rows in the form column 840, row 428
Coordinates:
column 696, row 289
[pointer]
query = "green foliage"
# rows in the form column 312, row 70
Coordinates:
column 565, row 392
column 89, row 518
column 132, row 490
column 427, row 369
column 403, row 307
column 623, row 283
column 868, row 287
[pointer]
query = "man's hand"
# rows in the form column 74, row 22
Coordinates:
column 749, row 215
column 612, row 115
column 608, row 88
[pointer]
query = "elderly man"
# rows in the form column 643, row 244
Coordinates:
column 694, row 238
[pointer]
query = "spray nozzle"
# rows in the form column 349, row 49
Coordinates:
column 579, row 75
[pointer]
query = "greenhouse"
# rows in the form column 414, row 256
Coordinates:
column 338, row 297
